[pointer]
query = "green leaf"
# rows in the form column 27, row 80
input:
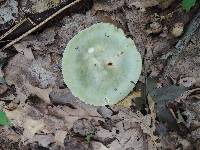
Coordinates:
column 4, row 119
column 188, row 4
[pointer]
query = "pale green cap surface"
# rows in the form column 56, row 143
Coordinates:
column 100, row 65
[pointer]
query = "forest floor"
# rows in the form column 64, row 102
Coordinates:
column 162, row 111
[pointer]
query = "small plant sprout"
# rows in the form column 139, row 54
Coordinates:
column 100, row 65
column 4, row 119
column 188, row 4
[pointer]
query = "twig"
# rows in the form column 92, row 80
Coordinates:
column 182, row 43
column 172, row 113
column 40, row 24
column 17, row 26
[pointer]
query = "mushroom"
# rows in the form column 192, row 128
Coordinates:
column 100, row 65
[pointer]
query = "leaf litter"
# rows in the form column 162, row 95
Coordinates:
column 47, row 115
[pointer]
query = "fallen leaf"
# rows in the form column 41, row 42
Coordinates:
column 107, row 5
column 187, row 81
column 43, row 94
column 188, row 4
column 3, row 88
column 142, row 4
column 103, row 135
column 9, row 12
column 16, row 116
column 83, row 127
column 27, row 51
column 63, row 97
column 30, row 77
column 32, row 6
column 43, row 140
column 70, row 115
column 165, row 3
column 4, row 119
column 104, row 112
column 186, row 94
column 129, row 129
column 127, row 102
column 60, row 136
column 162, row 96
column 31, row 127
column 98, row 146
column 73, row 144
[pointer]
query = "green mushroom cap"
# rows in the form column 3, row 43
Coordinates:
column 100, row 65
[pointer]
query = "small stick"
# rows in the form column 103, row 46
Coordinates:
column 40, row 24
column 15, row 27
column 172, row 113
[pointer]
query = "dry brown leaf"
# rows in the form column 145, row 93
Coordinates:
column 107, row 5
column 3, row 88
column 16, row 116
column 31, row 127
column 104, row 135
column 127, row 102
column 43, row 94
column 60, row 136
column 142, row 4
column 187, row 81
column 33, row 6
column 98, row 146
column 43, row 140
column 30, row 77
column 9, row 12
column 71, row 115
column 22, row 48
column 127, row 132
column 165, row 3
